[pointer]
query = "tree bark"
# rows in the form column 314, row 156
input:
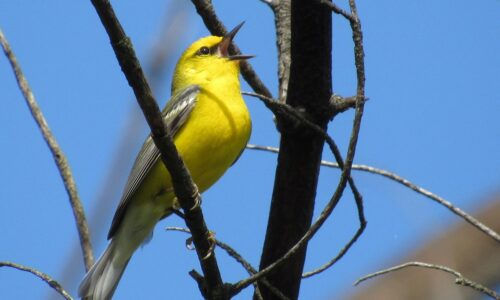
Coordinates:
column 297, row 172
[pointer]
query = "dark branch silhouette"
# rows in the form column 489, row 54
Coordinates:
column 184, row 187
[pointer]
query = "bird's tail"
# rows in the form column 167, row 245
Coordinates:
column 102, row 279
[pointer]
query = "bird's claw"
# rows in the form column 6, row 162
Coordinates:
column 211, row 248
column 189, row 243
column 211, row 241
column 197, row 201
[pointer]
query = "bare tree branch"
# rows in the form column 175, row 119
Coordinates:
column 339, row 104
column 460, row 280
column 215, row 26
column 337, row 257
column 51, row 282
column 395, row 177
column 454, row 209
column 359, row 61
column 57, row 154
column 290, row 112
column 234, row 254
column 337, row 9
column 282, row 20
column 294, row 115
column 184, row 187
column 321, row 219
column 307, row 236
column 459, row 246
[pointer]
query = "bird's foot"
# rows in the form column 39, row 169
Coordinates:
column 197, row 200
column 213, row 242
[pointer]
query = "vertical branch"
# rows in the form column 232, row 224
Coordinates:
column 300, row 156
column 359, row 56
column 57, row 153
column 282, row 11
column 359, row 61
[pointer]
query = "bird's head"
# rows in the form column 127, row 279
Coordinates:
column 206, row 60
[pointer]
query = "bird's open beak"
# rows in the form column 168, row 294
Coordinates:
column 223, row 47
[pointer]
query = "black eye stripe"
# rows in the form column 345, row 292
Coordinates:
column 203, row 51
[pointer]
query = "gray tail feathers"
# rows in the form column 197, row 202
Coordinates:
column 102, row 279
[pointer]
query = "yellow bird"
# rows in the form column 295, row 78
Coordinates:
column 210, row 124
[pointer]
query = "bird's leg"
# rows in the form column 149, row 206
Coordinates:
column 174, row 209
column 211, row 240
column 177, row 212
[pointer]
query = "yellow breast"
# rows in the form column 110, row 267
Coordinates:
column 216, row 132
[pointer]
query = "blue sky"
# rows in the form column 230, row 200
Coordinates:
column 432, row 79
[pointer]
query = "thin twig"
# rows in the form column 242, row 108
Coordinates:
column 307, row 236
column 336, row 9
column 215, row 26
column 184, row 187
column 234, row 254
column 460, row 279
column 359, row 60
column 339, row 104
column 395, row 177
column 457, row 211
column 51, row 282
column 57, row 154
column 339, row 255
column 288, row 111
column 361, row 217
column 282, row 21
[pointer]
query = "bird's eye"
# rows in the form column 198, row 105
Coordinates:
column 204, row 51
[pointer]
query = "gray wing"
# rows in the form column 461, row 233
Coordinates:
column 175, row 114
